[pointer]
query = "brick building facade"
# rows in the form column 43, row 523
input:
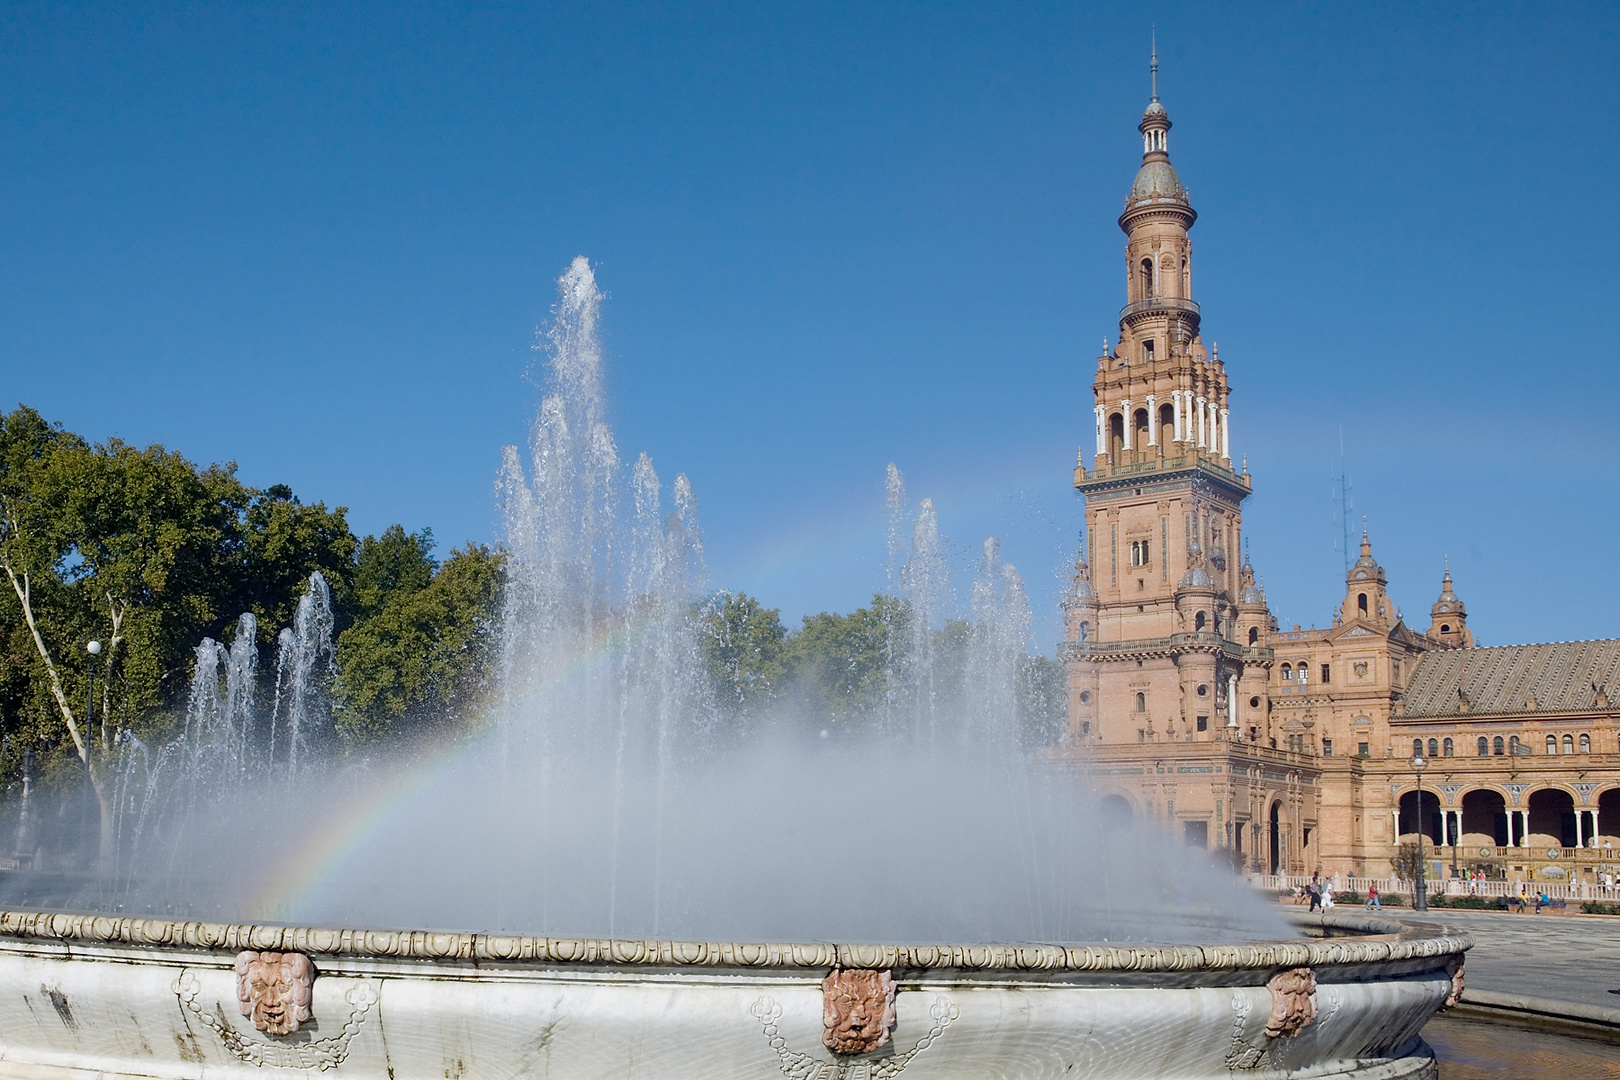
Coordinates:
column 1190, row 707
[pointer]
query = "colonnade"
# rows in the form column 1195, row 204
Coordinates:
column 1518, row 826
column 1195, row 419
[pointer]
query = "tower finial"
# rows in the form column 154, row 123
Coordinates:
column 1153, row 65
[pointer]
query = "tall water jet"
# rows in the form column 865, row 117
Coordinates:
column 301, row 719
column 924, row 582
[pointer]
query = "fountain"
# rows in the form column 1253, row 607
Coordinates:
column 625, row 883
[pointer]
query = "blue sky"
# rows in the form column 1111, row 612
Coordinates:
column 317, row 239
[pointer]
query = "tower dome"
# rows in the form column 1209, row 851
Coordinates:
column 1156, row 181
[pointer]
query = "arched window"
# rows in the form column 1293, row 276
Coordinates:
column 1145, row 282
column 1417, row 747
column 1445, row 748
column 1496, row 746
column 1287, row 673
column 1586, row 743
column 1254, row 635
column 1569, row 744
column 1141, row 703
column 1434, row 748
column 1116, row 437
column 1139, row 437
column 1361, row 603
column 1484, row 747
column 1186, row 279
column 1085, row 631
column 1513, row 744
column 1445, row 629
column 1167, row 425
column 1552, row 745
column 1198, row 621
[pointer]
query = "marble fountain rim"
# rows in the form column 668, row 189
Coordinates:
column 1376, row 941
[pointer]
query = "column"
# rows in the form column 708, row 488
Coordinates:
column 1102, row 443
column 1153, row 420
column 1396, row 814
column 1125, row 408
column 1200, row 415
column 1524, row 826
column 1231, row 702
column 1226, row 434
column 1580, row 828
column 1175, row 413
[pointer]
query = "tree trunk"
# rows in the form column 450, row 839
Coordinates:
column 24, row 594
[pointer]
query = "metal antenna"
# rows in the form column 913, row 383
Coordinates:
column 1342, row 482
column 1153, row 65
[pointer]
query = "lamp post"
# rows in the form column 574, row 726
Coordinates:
column 94, row 649
column 1420, row 890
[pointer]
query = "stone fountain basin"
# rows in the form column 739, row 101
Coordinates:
column 84, row 995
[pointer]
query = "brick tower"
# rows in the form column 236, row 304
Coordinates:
column 1168, row 637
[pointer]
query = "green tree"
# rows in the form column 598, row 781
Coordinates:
column 744, row 653
column 1043, row 701
column 1406, row 862
column 391, row 564
column 282, row 541
column 116, row 543
column 842, row 663
column 422, row 659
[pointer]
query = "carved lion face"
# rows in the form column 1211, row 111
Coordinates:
column 857, row 1010
column 274, row 989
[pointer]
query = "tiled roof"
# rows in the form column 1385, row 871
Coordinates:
column 1559, row 677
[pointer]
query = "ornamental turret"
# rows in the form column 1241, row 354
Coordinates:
column 1161, row 397
column 1448, row 618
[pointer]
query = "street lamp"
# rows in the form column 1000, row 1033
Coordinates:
column 1420, row 890
column 94, row 649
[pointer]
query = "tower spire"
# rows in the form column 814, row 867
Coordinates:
column 1153, row 64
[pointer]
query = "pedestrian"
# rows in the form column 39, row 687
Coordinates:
column 1327, row 899
column 1372, row 899
column 1524, row 901
column 1316, row 897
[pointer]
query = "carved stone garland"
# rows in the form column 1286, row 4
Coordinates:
column 857, row 1015
column 1293, row 1007
column 269, row 1015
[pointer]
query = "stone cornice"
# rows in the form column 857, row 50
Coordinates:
column 1398, row 943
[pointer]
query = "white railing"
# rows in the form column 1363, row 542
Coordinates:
column 1575, row 891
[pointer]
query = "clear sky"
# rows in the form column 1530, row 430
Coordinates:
column 317, row 239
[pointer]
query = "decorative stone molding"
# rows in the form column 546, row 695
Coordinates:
column 273, row 988
column 1454, row 968
column 321, row 1054
column 1293, row 1002
column 857, row 1010
column 425, row 945
column 799, row 1066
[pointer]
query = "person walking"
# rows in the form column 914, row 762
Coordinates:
column 1372, row 899
column 1316, row 896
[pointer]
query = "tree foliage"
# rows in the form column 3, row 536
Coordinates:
column 148, row 553
column 842, row 663
column 418, row 657
column 744, row 654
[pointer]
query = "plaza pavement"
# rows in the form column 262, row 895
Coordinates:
column 1557, row 957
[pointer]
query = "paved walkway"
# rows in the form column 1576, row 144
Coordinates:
column 1562, row 958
